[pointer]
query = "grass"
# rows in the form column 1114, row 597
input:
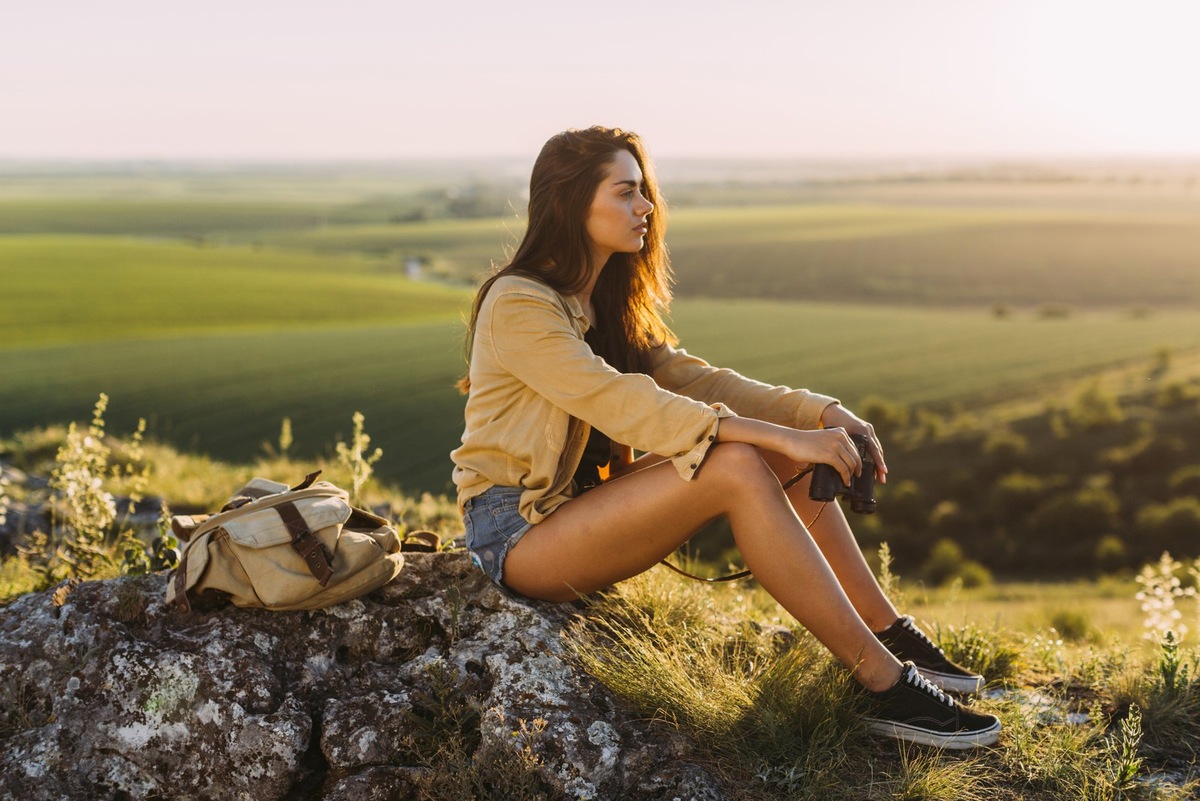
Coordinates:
column 191, row 218
column 284, row 299
column 155, row 325
column 455, row 249
column 919, row 356
column 1096, row 260
column 933, row 242
column 777, row 719
column 770, row 711
column 1079, row 612
column 89, row 289
column 856, row 252
column 224, row 394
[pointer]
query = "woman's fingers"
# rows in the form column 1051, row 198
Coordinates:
column 838, row 415
column 843, row 456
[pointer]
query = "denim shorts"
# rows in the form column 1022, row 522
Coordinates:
column 493, row 526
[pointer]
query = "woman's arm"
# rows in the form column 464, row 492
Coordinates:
column 783, row 406
column 831, row 446
column 680, row 372
column 524, row 334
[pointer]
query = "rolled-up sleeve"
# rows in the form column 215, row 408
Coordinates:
column 678, row 371
column 533, row 340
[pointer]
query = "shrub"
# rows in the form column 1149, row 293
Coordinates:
column 1110, row 554
column 973, row 574
column 944, row 562
column 947, row 563
column 1015, row 495
column 1095, row 408
column 1068, row 526
column 1186, row 481
column 928, row 427
column 1173, row 526
column 1175, row 394
column 888, row 418
column 1072, row 624
column 1005, row 448
column 903, row 505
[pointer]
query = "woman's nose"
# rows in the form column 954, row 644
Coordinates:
column 645, row 208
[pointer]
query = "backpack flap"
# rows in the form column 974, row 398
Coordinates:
column 260, row 528
column 259, row 487
column 301, row 520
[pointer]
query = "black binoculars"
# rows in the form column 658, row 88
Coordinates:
column 827, row 483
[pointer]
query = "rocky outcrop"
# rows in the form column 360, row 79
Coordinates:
column 437, row 686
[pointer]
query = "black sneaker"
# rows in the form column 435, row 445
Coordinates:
column 909, row 644
column 917, row 712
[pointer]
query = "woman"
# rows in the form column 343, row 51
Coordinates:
column 567, row 341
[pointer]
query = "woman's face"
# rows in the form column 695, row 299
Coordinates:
column 616, row 221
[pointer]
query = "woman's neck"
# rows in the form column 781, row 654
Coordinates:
column 584, row 296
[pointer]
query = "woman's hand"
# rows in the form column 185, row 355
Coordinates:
column 838, row 416
column 831, row 446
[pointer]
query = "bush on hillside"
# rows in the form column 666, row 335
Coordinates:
column 1094, row 408
column 1173, row 526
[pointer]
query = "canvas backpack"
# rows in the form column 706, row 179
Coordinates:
column 284, row 548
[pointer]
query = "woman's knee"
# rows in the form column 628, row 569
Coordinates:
column 739, row 464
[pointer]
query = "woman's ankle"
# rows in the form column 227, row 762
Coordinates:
column 883, row 676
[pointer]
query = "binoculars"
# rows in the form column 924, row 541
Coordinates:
column 827, row 484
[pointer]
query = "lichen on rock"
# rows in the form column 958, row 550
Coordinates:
column 439, row 685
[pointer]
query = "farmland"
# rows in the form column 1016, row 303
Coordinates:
column 225, row 393
column 216, row 303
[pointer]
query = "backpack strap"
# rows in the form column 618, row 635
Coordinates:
column 421, row 542
column 180, row 579
column 183, row 526
column 307, row 482
column 304, row 543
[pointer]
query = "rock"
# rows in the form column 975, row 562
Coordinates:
column 437, row 686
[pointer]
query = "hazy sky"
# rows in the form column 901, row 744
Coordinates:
column 231, row 79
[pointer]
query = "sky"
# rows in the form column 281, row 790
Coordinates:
column 836, row 79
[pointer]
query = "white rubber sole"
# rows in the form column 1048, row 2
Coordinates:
column 957, row 741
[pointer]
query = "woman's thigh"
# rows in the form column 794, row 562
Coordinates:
column 624, row 526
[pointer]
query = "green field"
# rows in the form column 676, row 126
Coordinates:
column 86, row 288
column 225, row 394
column 1075, row 234
column 937, row 256
column 215, row 303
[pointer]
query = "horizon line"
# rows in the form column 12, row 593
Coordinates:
column 922, row 158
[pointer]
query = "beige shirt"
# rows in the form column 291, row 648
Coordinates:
column 537, row 389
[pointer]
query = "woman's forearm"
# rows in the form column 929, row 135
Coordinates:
column 831, row 446
column 754, row 432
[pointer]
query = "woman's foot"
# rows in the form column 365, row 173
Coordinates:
column 909, row 644
column 917, row 712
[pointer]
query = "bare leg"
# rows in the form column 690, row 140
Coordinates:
column 625, row 526
column 833, row 536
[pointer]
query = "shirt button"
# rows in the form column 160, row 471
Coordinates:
column 693, row 467
column 711, row 438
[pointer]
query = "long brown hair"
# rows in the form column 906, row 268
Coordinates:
column 634, row 289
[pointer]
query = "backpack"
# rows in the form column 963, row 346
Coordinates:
column 278, row 548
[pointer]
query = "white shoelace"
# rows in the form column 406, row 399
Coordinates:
column 907, row 622
column 915, row 680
